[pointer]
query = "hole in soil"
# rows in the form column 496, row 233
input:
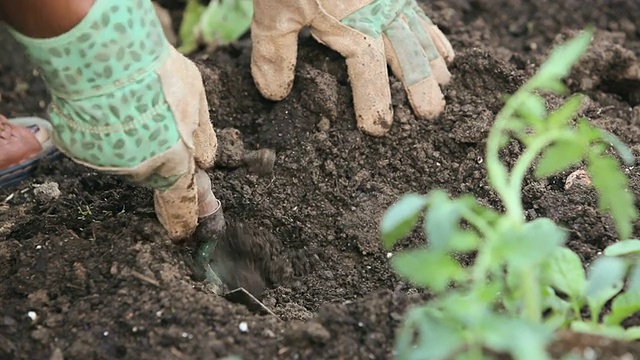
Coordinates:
column 627, row 89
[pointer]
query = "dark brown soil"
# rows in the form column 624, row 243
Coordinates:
column 104, row 282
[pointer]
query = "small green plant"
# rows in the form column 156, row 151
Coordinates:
column 84, row 212
column 523, row 284
column 218, row 23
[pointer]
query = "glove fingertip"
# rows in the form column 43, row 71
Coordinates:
column 426, row 98
column 374, row 122
column 440, row 71
column 272, row 84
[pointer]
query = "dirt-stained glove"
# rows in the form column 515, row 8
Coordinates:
column 126, row 102
column 370, row 34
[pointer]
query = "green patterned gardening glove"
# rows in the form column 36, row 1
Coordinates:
column 370, row 34
column 218, row 23
column 125, row 102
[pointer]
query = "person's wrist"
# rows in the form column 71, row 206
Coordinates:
column 43, row 19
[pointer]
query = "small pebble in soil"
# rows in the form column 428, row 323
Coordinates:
column 56, row 355
column 230, row 147
column 231, row 153
column 324, row 124
column 589, row 354
column 244, row 327
column 318, row 333
column 578, row 177
column 47, row 192
column 32, row 315
column 8, row 321
column 260, row 162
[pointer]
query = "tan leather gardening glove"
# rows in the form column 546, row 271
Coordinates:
column 370, row 34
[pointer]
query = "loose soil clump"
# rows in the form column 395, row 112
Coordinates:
column 89, row 273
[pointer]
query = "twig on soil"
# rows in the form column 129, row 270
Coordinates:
column 605, row 108
column 273, row 178
column 177, row 353
column 73, row 233
column 144, row 278
column 8, row 198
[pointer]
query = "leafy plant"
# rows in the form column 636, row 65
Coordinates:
column 523, row 283
column 218, row 23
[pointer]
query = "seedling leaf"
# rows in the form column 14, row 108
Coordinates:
column 604, row 280
column 633, row 282
column 560, row 156
column 464, row 241
column 425, row 335
column 441, row 220
column 632, row 333
column 624, row 247
column 613, row 332
column 428, row 268
column 560, row 117
column 532, row 244
column 562, row 58
column 401, row 218
column 623, row 306
column 565, row 273
column 555, row 86
column 532, row 109
column 524, row 340
column 621, row 148
column 192, row 13
column 611, row 184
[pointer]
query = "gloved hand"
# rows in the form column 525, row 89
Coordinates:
column 370, row 34
column 125, row 102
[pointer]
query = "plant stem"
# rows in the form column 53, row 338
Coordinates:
column 496, row 171
column 475, row 351
column 483, row 259
column 531, row 289
column 514, row 206
column 509, row 188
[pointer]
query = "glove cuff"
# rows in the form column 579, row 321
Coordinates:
column 115, row 44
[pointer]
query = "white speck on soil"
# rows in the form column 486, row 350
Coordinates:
column 244, row 327
column 589, row 354
column 32, row 315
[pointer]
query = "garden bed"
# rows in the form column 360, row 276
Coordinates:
column 90, row 274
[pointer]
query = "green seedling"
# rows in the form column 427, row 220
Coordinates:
column 218, row 23
column 523, row 284
column 84, row 212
